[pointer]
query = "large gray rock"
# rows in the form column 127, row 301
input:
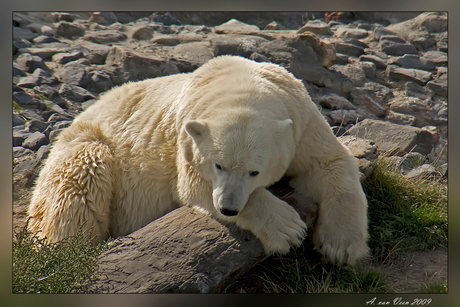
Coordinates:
column 35, row 140
column 139, row 66
column 69, row 29
column 365, row 152
column 235, row 26
column 317, row 27
column 105, row 36
column 408, row 74
column 393, row 138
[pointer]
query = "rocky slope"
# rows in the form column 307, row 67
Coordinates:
column 375, row 76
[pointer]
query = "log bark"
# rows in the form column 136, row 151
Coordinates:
column 184, row 251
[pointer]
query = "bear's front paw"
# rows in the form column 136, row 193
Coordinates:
column 340, row 246
column 283, row 231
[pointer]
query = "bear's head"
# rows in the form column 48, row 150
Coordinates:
column 239, row 152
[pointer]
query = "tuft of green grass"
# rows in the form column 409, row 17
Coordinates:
column 301, row 271
column 404, row 214
column 434, row 287
column 41, row 267
column 16, row 108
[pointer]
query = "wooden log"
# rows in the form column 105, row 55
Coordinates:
column 184, row 251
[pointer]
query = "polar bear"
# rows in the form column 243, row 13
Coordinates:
column 215, row 138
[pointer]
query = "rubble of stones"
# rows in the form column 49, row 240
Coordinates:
column 377, row 79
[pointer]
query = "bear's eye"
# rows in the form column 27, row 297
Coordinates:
column 218, row 167
column 254, row 173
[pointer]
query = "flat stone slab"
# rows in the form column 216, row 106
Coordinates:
column 397, row 139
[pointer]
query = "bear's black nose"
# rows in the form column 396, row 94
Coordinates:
column 228, row 212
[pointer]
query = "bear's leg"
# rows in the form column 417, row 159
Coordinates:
column 276, row 224
column 341, row 229
column 74, row 189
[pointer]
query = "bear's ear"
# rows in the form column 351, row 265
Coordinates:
column 282, row 126
column 196, row 130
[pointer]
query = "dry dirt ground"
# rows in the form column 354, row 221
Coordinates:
column 408, row 272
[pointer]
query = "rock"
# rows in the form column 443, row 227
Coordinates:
column 105, row 36
column 29, row 63
column 410, row 160
column 65, row 57
column 103, row 18
column 344, row 32
column 101, row 81
column 344, row 117
column 221, row 46
column 363, row 99
column 63, row 17
column 306, row 56
column 415, row 61
column 44, row 77
column 423, row 113
column 414, row 90
column 274, row 26
column 35, row 140
column 352, row 71
column 418, row 30
column 20, row 135
column 75, row 93
column 166, row 40
column 441, row 41
column 234, row 26
column 368, row 69
column 255, row 56
column 381, row 31
column 392, row 138
column 438, row 57
column 22, row 33
column 139, row 66
column 349, row 49
column 36, row 125
column 26, row 168
column 335, row 102
column 96, row 53
column 378, row 62
column 143, row 33
column 165, row 19
column 74, row 75
column 44, row 39
column 398, row 49
column 18, row 70
column 400, row 119
column 190, row 252
column 28, row 82
column 27, row 101
column 439, row 86
column 43, row 151
column 341, row 59
column 317, row 27
column 17, row 120
column 425, row 171
column 365, row 152
column 69, row 30
column 46, row 90
column 389, row 39
column 45, row 53
column 408, row 74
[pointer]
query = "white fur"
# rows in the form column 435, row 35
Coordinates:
column 198, row 139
